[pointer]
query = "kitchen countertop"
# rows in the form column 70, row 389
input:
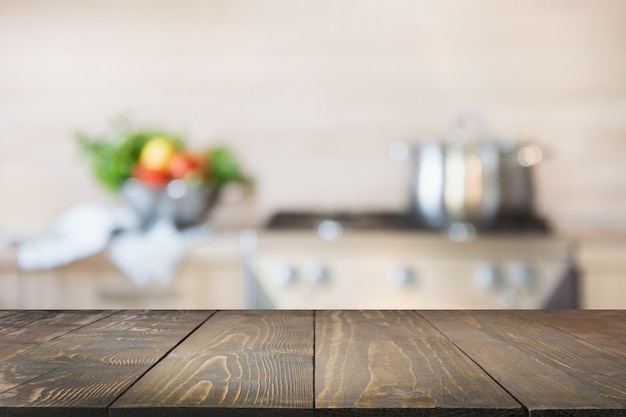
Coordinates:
column 339, row 363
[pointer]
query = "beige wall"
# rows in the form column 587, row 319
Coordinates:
column 311, row 93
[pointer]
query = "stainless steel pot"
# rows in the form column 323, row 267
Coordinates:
column 472, row 177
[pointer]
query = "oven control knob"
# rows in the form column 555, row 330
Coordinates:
column 284, row 274
column 402, row 276
column 522, row 276
column 315, row 273
column 487, row 276
column 329, row 230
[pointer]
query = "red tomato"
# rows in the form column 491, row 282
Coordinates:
column 182, row 164
column 152, row 177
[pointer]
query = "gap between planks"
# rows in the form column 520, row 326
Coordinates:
column 526, row 410
column 211, row 314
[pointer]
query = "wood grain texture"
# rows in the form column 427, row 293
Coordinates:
column 246, row 361
column 330, row 363
column 25, row 329
column 84, row 371
column 384, row 360
column 550, row 371
column 603, row 328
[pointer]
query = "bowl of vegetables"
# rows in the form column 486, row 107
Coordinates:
column 158, row 177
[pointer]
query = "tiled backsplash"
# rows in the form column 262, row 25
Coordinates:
column 311, row 94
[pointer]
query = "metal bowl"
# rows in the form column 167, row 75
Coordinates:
column 178, row 202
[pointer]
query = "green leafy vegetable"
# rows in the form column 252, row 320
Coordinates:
column 224, row 166
column 114, row 157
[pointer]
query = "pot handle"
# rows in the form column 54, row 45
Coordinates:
column 529, row 155
column 468, row 125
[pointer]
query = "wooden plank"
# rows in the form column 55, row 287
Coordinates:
column 82, row 372
column 4, row 313
column 388, row 361
column 603, row 328
column 26, row 329
column 549, row 371
column 244, row 363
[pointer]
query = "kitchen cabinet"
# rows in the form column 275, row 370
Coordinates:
column 8, row 278
column 603, row 266
column 208, row 278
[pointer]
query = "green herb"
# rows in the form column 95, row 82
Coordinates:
column 114, row 157
column 224, row 167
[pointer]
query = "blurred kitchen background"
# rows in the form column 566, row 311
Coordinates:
column 311, row 96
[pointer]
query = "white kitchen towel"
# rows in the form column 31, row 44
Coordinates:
column 81, row 231
column 155, row 254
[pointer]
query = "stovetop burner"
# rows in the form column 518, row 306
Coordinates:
column 349, row 220
column 385, row 220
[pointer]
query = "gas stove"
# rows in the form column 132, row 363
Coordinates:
column 389, row 220
column 285, row 220
column 385, row 259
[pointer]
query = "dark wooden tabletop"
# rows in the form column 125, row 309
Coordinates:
column 291, row 363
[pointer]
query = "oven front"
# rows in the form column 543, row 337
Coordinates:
column 393, row 269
